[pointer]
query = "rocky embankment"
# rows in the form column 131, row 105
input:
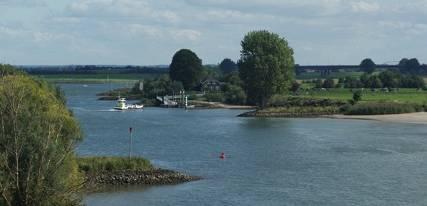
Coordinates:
column 151, row 177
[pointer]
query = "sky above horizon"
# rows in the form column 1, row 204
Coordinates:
column 149, row 32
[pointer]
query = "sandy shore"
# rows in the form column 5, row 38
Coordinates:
column 414, row 118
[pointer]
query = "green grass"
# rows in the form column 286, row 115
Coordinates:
column 401, row 96
column 96, row 78
column 334, row 75
column 96, row 165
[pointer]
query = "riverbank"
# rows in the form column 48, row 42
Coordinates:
column 413, row 118
column 101, row 172
column 217, row 105
column 94, row 182
column 292, row 112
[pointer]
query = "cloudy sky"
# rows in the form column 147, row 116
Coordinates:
column 147, row 32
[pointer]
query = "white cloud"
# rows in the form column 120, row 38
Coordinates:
column 187, row 34
column 363, row 6
column 121, row 9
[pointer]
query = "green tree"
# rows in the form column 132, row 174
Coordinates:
column 234, row 94
column 357, row 96
column 295, row 86
column 37, row 138
column 186, row 67
column 228, row 66
column 266, row 66
column 413, row 66
column 374, row 82
column 410, row 66
column 390, row 79
column 318, row 83
column 368, row 66
column 328, row 83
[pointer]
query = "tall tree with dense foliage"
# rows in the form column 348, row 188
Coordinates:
column 410, row 66
column 186, row 67
column 37, row 138
column 266, row 66
column 227, row 66
column 368, row 66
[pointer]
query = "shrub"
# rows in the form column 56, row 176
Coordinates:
column 357, row 96
column 234, row 95
column 215, row 97
column 381, row 108
column 282, row 101
column 329, row 83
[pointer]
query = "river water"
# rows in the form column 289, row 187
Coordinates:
column 268, row 161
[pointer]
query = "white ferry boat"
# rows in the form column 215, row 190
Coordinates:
column 121, row 105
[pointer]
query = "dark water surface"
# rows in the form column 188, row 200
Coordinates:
column 269, row 161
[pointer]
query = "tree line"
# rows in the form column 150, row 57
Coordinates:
column 265, row 67
column 386, row 79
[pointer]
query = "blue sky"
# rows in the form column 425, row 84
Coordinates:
column 148, row 32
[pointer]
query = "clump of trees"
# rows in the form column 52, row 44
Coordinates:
column 159, row 86
column 368, row 66
column 266, row 66
column 228, row 66
column 37, row 137
column 233, row 89
column 386, row 79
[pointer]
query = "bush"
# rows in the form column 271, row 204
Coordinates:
column 234, row 95
column 380, row 108
column 215, row 97
column 96, row 165
column 357, row 96
column 328, row 83
column 283, row 101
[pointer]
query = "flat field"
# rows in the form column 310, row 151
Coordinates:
column 400, row 96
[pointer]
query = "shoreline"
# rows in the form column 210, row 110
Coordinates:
column 409, row 118
column 156, row 176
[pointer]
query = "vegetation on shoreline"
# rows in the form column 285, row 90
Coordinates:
column 95, row 165
column 37, row 140
column 102, row 171
column 378, row 108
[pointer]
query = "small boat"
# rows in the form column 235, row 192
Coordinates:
column 121, row 105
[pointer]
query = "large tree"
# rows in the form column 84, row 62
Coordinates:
column 368, row 66
column 266, row 66
column 410, row 66
column 228, row 66
column 37, row 139
column 186, row 67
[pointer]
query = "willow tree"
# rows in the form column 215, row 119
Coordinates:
column 37, row 139
column 266, row 66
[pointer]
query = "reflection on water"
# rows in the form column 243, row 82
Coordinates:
column 269, row 161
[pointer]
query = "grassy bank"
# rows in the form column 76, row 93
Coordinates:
column 96, row 165
column 400, row 96
column 382, row 108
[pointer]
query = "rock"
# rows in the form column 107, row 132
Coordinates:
column 152, row 177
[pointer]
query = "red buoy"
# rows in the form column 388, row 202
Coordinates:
column 222, row 156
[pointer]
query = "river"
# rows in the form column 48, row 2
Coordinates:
column 268, row 161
